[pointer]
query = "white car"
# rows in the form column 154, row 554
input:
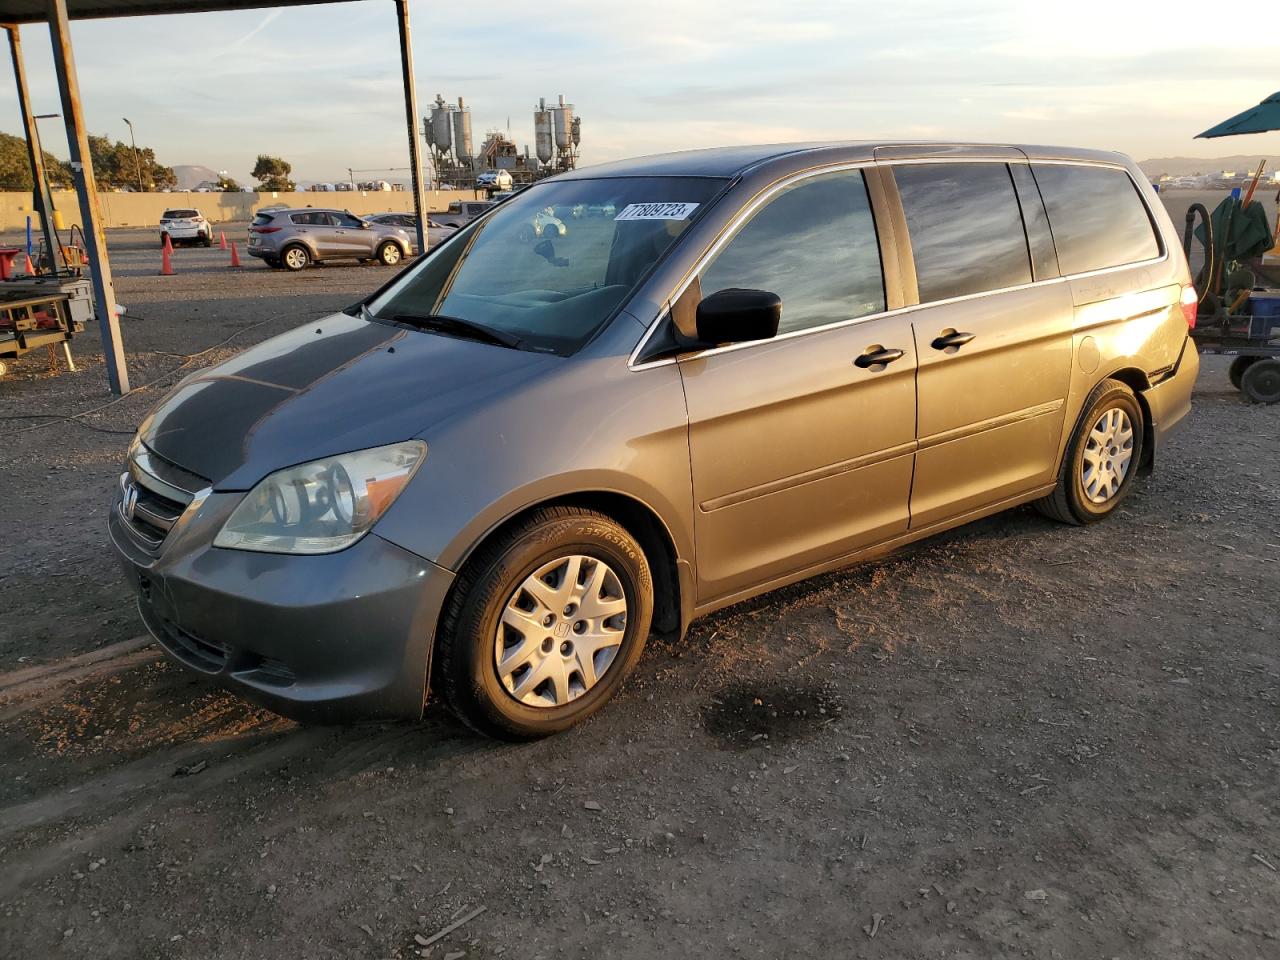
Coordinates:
column 185, row 225
column 495, row 180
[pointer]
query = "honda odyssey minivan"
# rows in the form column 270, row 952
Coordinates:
column 496, row 475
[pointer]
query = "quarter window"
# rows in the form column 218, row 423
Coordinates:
column 1097, row 216
column 965, row 227
column 814, row 245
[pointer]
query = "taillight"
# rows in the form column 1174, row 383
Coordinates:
column 1190, row 303
column 277, row 229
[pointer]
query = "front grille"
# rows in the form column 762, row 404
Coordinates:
column 196, row 651
column 154, row 493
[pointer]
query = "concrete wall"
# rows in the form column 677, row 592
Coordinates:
column 144, row 209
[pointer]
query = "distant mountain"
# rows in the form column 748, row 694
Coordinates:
column 190, row 176
column 1191, row 166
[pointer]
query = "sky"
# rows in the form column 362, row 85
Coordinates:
column 320, row 85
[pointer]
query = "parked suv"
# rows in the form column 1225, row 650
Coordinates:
column 185, row 225
column 496, row 475
column 294, row 239
column 462, row 212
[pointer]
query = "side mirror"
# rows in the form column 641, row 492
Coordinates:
column 736, row 316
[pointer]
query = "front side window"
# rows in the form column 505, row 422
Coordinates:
column 814, row 245
column 347, row 220
column 539, row 277
column 1098, row 219
column 965, row 228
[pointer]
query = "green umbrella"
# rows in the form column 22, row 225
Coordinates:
column 1265, row 116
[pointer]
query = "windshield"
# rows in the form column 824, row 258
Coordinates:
column 552, row 264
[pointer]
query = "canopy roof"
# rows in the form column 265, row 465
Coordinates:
column 37, row 11
column 1260, row 119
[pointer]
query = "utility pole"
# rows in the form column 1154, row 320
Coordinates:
column 411, row 117
column 137, row 165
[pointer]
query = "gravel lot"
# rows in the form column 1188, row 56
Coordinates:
column 1021, row 739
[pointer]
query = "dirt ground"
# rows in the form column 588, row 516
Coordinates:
column 1021, row 739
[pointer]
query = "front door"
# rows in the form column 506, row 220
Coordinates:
column 995, row 350
column 801, row 447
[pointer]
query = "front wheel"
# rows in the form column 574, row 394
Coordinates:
column 1101, row 458
column 1261, row 382
column 544, row 624
column 389, row 254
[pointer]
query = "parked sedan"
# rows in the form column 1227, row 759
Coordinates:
column 436, row 232
column 294, row 239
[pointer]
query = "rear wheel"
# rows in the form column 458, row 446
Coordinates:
column 1101, row 458
column 295, row 257
column 389, row 254
column 544, row 624
column 1261, row 382
column 1238, row 366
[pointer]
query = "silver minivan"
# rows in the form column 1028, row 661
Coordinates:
column 496, row 475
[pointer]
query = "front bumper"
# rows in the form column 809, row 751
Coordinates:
column 1169, row 401
column 325, row 638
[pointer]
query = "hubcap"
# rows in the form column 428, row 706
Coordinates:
column 560, row 631
column 295, row 258
column 1107, row 455
column 392, row 255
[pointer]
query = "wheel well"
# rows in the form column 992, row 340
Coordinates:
column 643, row 524
column 1137, row 381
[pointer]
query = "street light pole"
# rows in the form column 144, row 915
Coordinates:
column 137, row 165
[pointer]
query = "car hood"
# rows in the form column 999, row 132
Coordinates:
column 335, row 385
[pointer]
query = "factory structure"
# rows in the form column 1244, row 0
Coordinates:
column 456, row 161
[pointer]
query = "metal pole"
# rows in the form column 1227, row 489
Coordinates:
column 40, row 186
column 104, row 293
column 137, row 165
column 411, row 114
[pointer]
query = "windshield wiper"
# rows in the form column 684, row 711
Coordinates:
column 455, row 326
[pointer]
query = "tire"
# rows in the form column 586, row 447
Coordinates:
column 1261, row 381
column 207, row 242
column 390, row 254
column 1072, row 501
column 491, row 593
column 295, row 257
column 1238, row 366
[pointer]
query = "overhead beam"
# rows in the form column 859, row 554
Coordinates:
column 411, row 115
column 104, row 294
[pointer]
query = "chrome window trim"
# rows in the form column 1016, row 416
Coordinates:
column 764, row 195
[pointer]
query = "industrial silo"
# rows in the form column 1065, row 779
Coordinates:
column 543, row 137
column 563, row 114
column 441, row 124
column 462, row 132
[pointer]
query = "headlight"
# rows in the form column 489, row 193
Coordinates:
column 322, row 506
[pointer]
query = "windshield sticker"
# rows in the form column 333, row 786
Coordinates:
column 657, row 211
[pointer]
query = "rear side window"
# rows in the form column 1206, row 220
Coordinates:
column 814, row 245
column 965, row 227
column 1097, row 216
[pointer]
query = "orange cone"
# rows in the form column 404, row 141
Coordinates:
column 168, row 243
column 30, row 267
column 235, row 255
column 166, row 263
column 222, row 239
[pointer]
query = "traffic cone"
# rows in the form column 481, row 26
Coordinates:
column 222, row 239
column 166, row 263
column 235, row 255
column 168, row 243
column 29, row 267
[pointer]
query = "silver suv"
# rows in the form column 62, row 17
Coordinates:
column 294, row 239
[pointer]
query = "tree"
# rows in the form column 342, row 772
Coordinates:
column 228, row 185
column 116, row 168
column 272, row 173
column 15, row 166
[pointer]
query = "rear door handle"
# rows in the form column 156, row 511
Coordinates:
column 878, row 355
column 953, row 339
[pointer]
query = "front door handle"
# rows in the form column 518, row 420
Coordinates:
column 952, row 339
column 878, row 355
